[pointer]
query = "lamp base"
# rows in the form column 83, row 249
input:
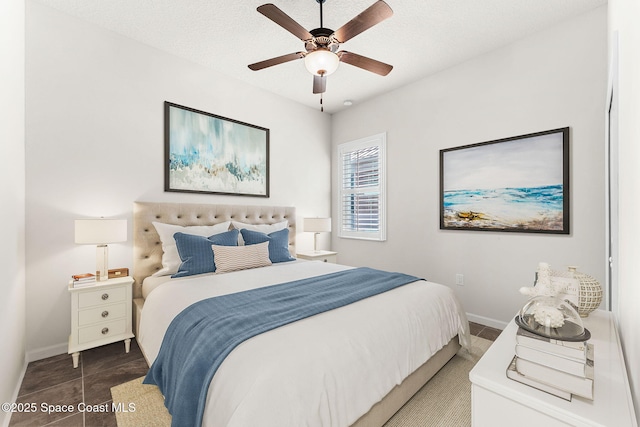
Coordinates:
column 315, row 242
column 102, row 261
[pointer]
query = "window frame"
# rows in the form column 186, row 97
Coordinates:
column 379, row 141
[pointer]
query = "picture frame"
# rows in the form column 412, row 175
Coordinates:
column 516, row 184
column 207, row 153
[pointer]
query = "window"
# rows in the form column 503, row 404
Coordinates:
column 361, row 208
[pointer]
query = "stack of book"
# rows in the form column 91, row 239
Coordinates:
column 562, row 368
column 81, row 280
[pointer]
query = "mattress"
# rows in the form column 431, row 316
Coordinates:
column 326, row 370
column 152, row 282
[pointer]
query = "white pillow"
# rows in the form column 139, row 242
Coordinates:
column 262, row 228
column 170, row 257
column 234, row 258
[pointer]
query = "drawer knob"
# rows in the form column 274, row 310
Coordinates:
column 105, row 297
column 105, row 313
column 105, row 331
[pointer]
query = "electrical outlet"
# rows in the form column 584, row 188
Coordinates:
column 460, row 279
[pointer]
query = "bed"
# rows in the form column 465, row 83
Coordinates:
column 326, row 375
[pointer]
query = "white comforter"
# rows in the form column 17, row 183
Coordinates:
column 326, row 370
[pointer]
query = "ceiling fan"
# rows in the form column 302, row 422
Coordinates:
column 322, row 56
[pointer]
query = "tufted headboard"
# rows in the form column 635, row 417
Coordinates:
column 147, row 248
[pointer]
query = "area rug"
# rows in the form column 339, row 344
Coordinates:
column 445, row 401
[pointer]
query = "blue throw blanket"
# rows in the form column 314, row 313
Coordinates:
column 202, row 335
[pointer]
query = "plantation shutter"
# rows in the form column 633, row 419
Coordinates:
column 362, row 184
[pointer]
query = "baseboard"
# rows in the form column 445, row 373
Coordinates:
column 7, row 418
column 486, row 321
column 44, row 352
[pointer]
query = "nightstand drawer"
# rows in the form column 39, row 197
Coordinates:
column 102, row 296
column 102, row 314
column 101, row 331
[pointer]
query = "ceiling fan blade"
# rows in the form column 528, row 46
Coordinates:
column 275, row 61
column 272, row 12
column 365, row 63
column 319, row 84
column 376, row 13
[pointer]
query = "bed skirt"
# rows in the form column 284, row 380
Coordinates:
column 382, row 411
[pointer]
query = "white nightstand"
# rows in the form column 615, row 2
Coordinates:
column 499, row 401
column 100, row 314
column 324, row 256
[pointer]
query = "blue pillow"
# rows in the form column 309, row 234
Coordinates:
column 278, row 243
column 196, row 252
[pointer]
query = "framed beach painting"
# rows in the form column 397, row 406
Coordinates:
column 518, row 184
column 206, row 153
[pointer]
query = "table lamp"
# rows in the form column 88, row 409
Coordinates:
column 99, row 232
column 317, row 226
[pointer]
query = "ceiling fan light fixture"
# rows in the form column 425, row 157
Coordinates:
column 321, row 62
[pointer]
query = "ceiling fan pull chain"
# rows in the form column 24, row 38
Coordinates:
column 321, row 106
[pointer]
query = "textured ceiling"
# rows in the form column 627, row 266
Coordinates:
column 421, row 38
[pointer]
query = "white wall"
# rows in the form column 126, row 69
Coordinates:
column 623, row 16
column 95, row 145
column 12, row 176
column 552, row 79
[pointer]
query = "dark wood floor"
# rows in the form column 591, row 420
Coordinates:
column 485, row 332
column 54, row 382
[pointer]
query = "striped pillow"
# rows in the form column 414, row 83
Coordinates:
column 234, row 258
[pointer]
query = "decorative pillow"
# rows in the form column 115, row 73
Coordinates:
column 234, row 258
column 170, row 257
column 263, row 228
column 278, row 243
column 195, row 251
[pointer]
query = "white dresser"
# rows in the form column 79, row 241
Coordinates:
column 100, row 314
column 498, row 401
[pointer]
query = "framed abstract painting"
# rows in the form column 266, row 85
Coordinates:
column 206, row 153
column 518, row 184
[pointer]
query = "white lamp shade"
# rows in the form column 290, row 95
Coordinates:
column 321, row 62
column 100, row 231
column 317, row 225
